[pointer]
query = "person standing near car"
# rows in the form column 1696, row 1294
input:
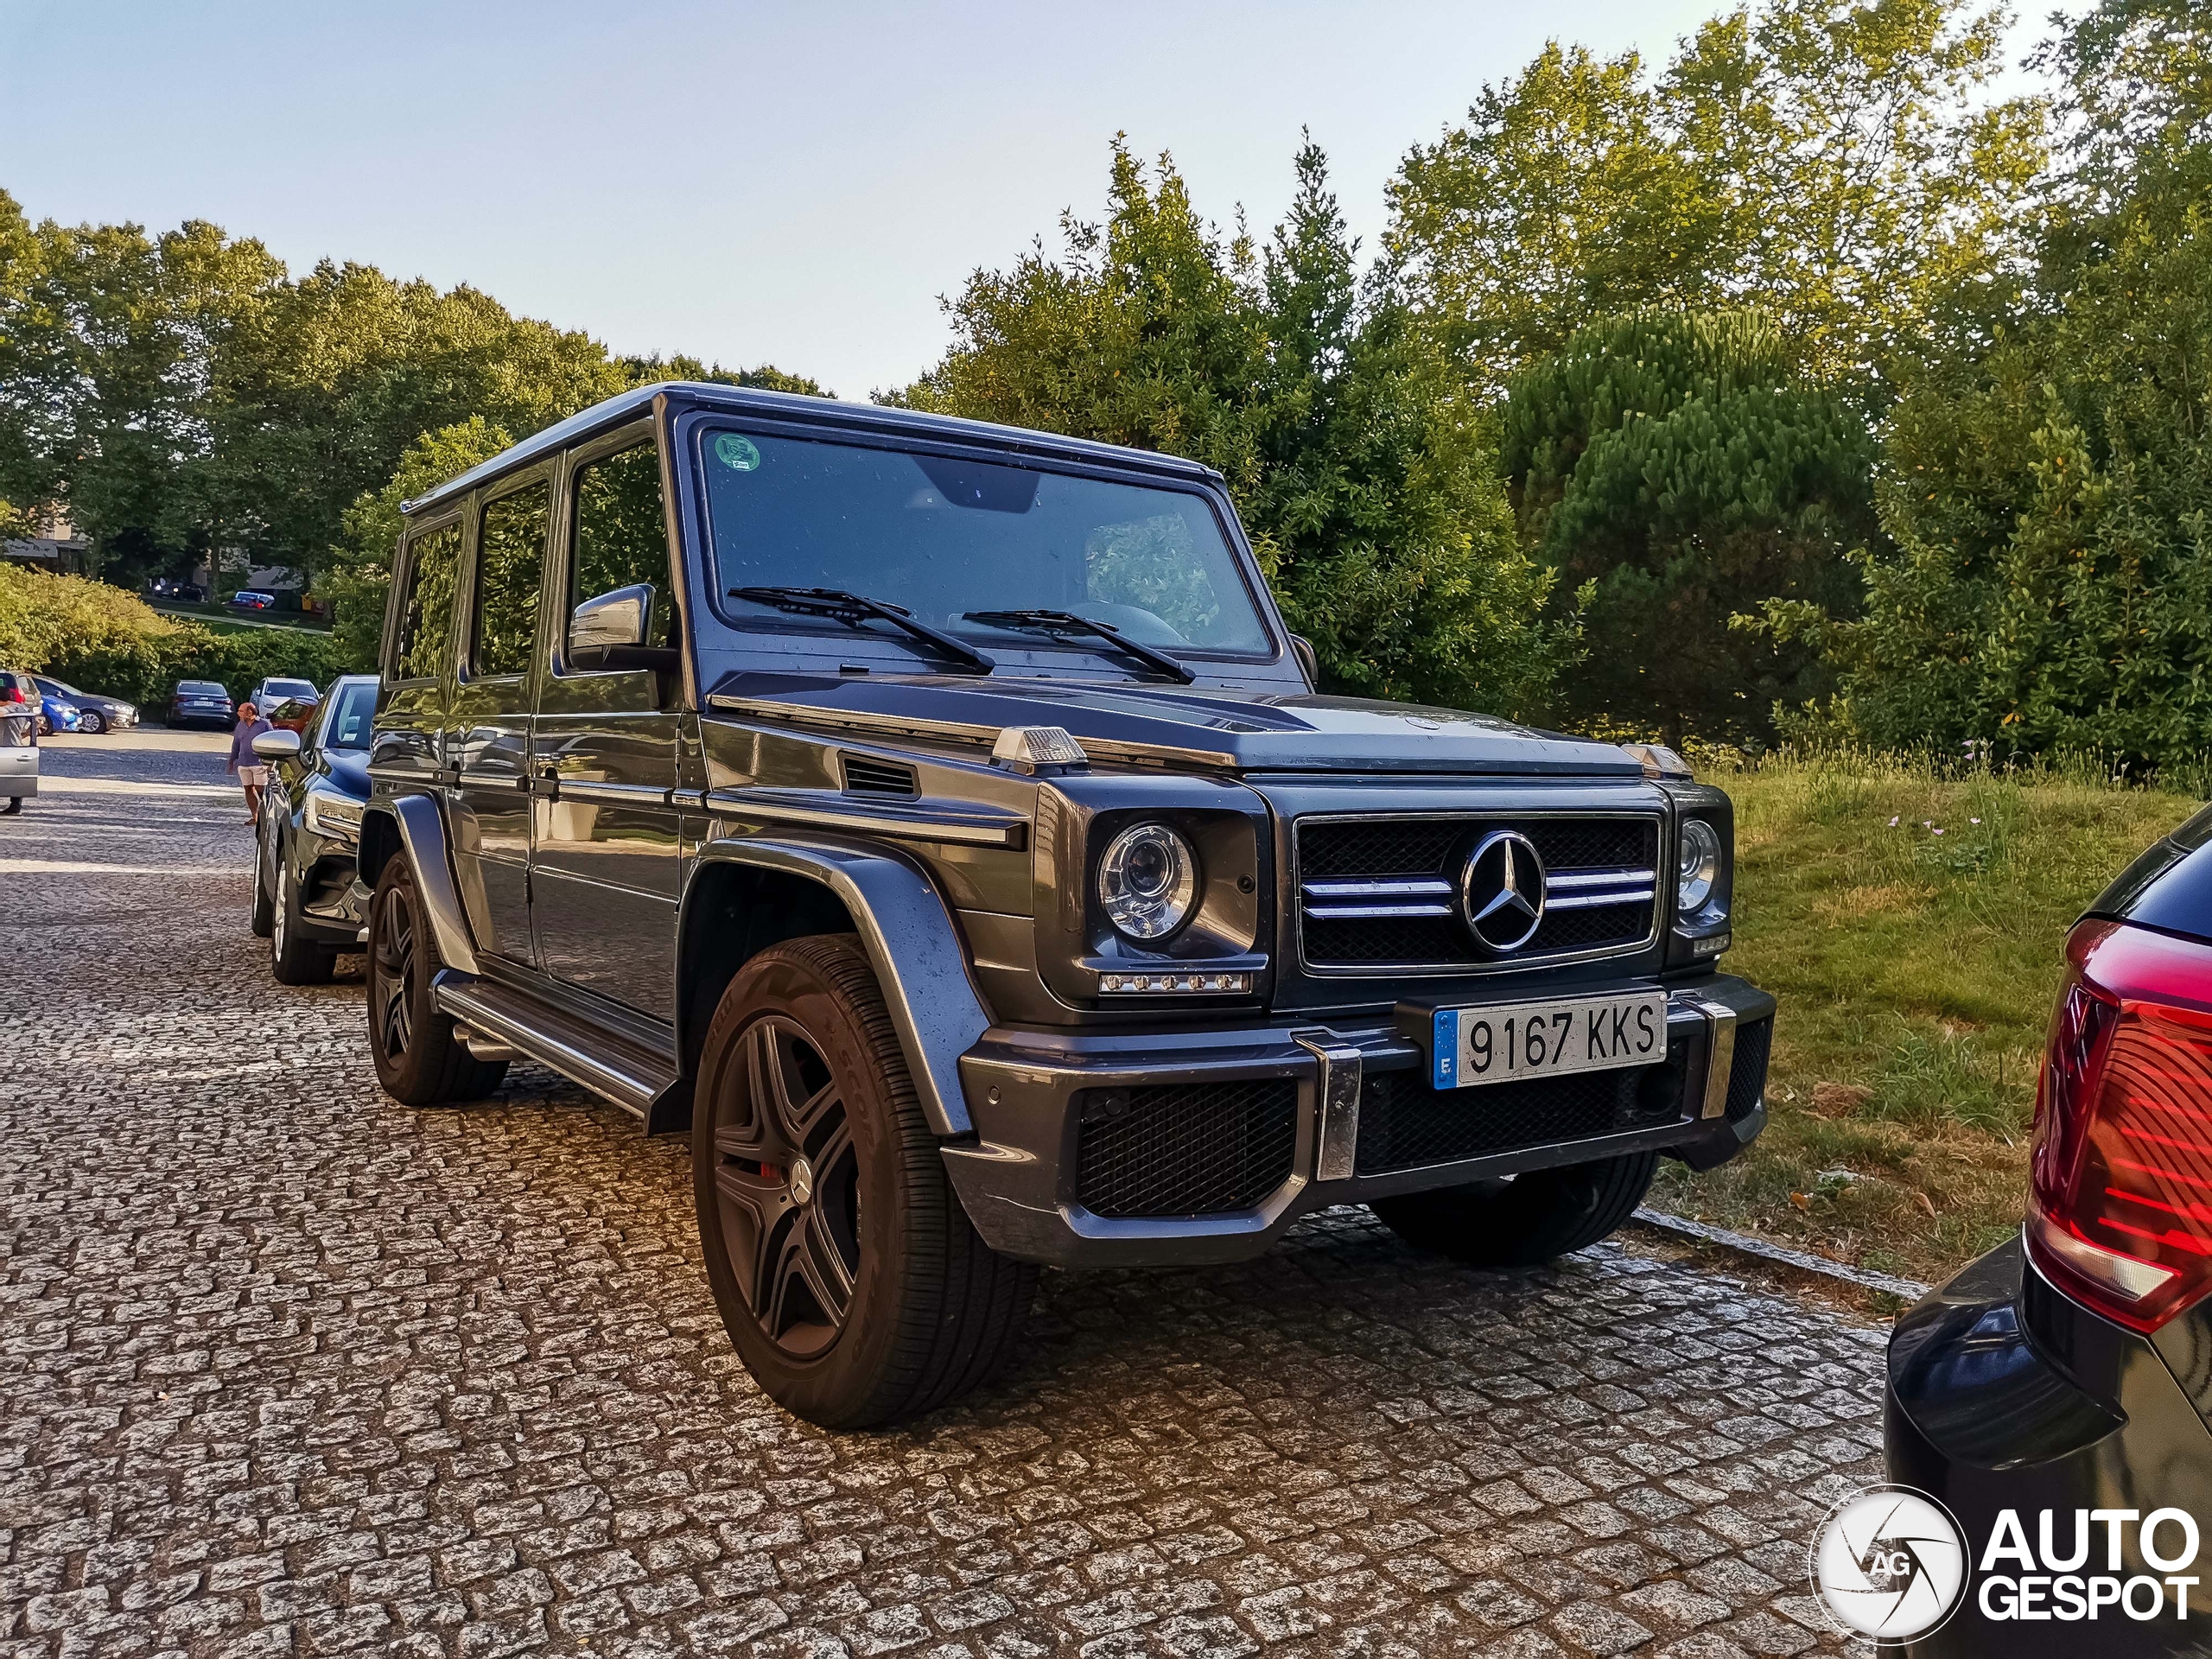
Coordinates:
column 252, row 774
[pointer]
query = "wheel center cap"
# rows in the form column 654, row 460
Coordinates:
column 802, row 1181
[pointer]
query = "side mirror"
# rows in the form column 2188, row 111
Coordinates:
column 278, row 744
column 610, row 630
column 1302, row 649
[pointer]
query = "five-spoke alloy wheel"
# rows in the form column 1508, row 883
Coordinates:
column 418, row 1058
column 845, row 1270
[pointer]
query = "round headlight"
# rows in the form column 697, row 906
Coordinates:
column 1147, row 880
column 1699, row 863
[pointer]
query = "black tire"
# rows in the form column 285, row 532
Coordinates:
column 264, row 909
column 1528, row 1219
column 13, row 804
column 294, row 958
column 418, row 1059
column 92, row 723
column 845, row 1270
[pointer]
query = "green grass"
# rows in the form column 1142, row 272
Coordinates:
column 1910, row 923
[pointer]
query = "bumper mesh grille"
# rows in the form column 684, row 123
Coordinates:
column 1186, row 1149
column 1404, row 1123
column 1375, row 848
column 1747, row 1078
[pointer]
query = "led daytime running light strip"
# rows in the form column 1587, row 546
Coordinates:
column 1217, row 983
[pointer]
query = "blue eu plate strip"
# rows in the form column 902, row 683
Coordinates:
column 1444, row 1050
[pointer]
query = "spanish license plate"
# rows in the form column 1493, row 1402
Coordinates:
column 1509, row 1041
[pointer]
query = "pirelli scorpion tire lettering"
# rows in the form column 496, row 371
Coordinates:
column 1526, row 1219
column 846, row 1271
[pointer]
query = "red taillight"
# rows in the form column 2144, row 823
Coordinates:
column 2120, row 1194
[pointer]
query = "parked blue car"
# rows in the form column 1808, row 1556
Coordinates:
column 57, row 714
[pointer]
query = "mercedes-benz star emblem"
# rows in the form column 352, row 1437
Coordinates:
column 1502, row 891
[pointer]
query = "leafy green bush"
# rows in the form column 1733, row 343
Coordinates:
column 111, row 642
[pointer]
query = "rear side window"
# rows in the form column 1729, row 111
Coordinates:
column 509, row 569
column 622, row 533
column 426, row 623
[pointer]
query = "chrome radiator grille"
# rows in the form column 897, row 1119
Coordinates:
column 1381, row 895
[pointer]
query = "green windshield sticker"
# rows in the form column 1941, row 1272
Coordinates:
column 736, row 451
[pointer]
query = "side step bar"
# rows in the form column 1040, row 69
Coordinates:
column 632, row 1078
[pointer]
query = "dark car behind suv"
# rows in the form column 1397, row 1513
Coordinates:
column 199, row 702
column 305, row 900
column 938, row 819
column 2066, row 1378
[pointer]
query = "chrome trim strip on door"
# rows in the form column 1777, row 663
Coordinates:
column 610, row 794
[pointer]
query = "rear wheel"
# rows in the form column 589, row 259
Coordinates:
column 293, row 957
column 1526, row 1219
column 418, row 1060
column 845, row 1270
column 11, row 806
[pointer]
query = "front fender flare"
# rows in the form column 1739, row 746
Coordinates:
column 934, row 1004
column 422, row 844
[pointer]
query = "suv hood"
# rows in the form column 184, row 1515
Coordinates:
column 1187, row 724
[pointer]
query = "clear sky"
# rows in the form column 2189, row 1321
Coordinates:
column 794, row 184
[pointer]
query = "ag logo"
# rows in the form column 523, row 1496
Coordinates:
column 1890, row 1562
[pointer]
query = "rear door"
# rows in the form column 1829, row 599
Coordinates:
column 605, row 871
column 488, row 722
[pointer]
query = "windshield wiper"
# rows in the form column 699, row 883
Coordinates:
column 853, row 609
column 1067, row 622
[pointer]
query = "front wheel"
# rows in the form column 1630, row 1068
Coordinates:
column 1526, row 1219
column 844, row 1269
column 11, row 806
column 418, row 1059
column 92, row 723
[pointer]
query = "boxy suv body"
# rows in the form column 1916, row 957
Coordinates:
column 937, row 820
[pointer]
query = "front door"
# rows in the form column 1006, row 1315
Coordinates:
column 605, row 872
column 489, row 719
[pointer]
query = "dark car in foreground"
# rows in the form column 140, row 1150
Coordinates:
column 200, row 703
column 304, row 900
column 938, row 822
column 2065, row 1379
column 94, row 713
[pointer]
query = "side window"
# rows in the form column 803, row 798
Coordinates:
column 622, row 533
column 426, row 623
column 509, row 569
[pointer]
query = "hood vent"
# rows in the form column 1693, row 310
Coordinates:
column 867, row 776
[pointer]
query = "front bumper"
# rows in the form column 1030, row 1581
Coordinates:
column 2003, row 1394
column 1191, row 1147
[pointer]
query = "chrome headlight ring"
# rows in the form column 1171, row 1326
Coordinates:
column 1147, row 881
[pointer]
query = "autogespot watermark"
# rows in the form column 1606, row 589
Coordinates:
column 1892, row 1563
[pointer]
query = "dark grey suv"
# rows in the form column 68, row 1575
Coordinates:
column 937, row 820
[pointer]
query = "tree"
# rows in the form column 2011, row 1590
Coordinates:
column 1369, row 484
column 2048, row 500
column 1833, row 162
column 646, row 370
column 1688, row 469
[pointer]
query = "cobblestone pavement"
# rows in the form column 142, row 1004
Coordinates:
column 285, row 1368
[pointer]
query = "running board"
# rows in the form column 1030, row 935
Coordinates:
column 631, row 1077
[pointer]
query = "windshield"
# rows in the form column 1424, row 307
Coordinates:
column 351, row 712
column 292, row 688
column 200, row 688
column 945, row 537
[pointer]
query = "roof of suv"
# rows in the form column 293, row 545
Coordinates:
column 826, row 412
